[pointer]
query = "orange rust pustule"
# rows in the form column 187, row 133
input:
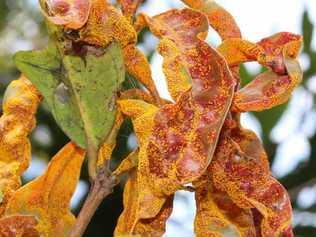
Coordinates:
column 105, row 25
column 177, row 149
column 240, row 168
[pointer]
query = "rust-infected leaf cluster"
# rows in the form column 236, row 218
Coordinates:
column 195, row 142
column 198, row 139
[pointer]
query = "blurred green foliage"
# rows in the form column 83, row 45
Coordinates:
column 27, row 29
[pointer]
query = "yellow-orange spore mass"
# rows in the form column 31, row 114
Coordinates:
column 20, row 104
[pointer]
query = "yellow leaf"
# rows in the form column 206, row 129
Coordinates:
column 20, row 104
column 129, row 8
column 105, row 152
column 147, row 203
column 48, row 197
column 136, row 219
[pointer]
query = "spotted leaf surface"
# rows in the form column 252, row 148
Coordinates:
column 142, row 114
column 278, row 53
column 48, row 197
column 185, row 134
column 241, row 168
column 218, row 215
column 20, row 104
column 130, row 221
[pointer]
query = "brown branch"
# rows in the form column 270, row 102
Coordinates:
column 101, row 187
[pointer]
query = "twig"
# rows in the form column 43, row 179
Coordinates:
column 101, row 187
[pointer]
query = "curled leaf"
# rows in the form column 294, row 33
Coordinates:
column 48, row 197
column 20, row 104
column 148, row 203
column 105, row 152
column 240, row 168
column 221, row 20
column 130, row 162
column 72, row 14
column 185, row 133
column 273, row 87
column 20, row 225
column 130, row 221
column 218, row 215
column 137, row 94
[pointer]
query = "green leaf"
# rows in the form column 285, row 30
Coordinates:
column 308, row 29
column 80, row 91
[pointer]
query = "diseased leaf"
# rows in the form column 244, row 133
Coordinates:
column 73, row 85
column 130, row 221
column 106, row 24
column 186, row 132
column 48, row 197
column 241, row 168
column 148, row 203
column 20, row 104
column 218, row 215
column 221, row 20
column 18, row 226
column 178, row 78
column 72, row 14
column 273, row 87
